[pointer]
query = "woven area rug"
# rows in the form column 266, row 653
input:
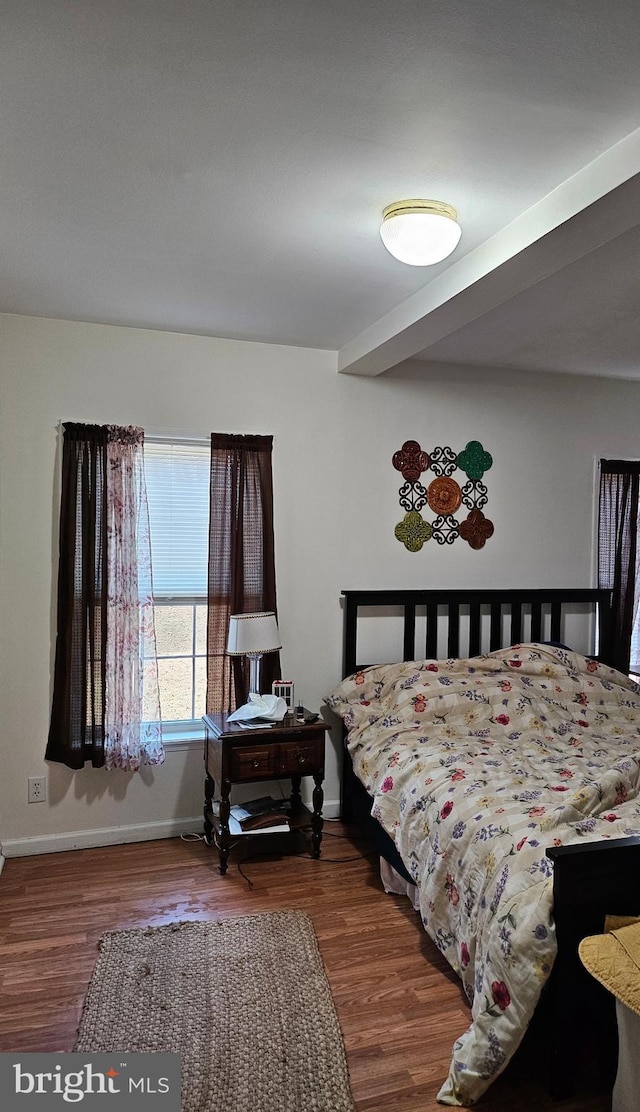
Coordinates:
column 245, row 1001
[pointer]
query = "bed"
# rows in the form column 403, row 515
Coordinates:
column 499, row 772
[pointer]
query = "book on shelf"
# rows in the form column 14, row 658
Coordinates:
column 265, row 805
column 265, row 822
column 274, row 828
column 261, row 816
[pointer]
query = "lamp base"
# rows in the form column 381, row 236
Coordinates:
column 254, row 672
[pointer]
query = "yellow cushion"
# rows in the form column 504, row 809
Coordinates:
column 613, row 959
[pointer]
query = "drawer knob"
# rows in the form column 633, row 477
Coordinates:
column 256, row 763
column 302, row 760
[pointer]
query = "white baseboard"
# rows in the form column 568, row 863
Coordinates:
column 107, row 836
column 116, row 835
column 331, row 809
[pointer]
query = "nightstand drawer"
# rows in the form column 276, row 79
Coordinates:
column 298, row 757
column 246, row 761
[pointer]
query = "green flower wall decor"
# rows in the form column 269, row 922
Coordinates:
column 444, row 495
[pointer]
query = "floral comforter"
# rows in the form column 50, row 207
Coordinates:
column 475, row 767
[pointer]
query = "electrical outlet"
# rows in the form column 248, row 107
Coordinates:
column 36, row 789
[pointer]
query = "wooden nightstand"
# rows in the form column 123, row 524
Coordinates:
column 235, row 755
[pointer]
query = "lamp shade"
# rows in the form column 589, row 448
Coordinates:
column 419, row 232
column 253, row 633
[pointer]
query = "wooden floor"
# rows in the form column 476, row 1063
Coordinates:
column 399, row 1006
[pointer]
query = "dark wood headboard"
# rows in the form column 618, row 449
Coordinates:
column 505, row 612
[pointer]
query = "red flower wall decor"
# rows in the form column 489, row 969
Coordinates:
column 476, row 529
column 444, row 495
column 411, row 461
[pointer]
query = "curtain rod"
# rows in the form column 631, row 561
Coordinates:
column 171, row 437
column 176, row 438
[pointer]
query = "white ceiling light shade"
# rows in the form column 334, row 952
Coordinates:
column 420, row 233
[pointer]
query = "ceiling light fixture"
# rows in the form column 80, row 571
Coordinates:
column 420, row 233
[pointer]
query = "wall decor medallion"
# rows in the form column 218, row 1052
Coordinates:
column 413, row 531
column 444, row 495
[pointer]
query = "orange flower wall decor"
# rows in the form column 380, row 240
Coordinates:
column 444, row 495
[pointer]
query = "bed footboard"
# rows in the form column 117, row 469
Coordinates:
column 590, row 881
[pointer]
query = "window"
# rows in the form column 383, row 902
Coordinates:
column 177, row 473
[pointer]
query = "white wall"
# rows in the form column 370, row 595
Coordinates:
column 335, row 511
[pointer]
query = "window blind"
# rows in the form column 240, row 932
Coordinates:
column 177, row 476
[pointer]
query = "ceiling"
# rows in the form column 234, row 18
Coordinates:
column 221, row 168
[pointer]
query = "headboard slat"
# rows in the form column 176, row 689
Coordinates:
column 432, row 631
column 516, row 623
column 409, row 636
column 536, row 620
column 495, row 634
column 475, row 615
column 453, row 632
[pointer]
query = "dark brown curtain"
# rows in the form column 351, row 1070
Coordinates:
column 617, row 554
column 242, row 577
column 77, row 717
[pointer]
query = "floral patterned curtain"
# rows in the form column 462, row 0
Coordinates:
column 132, row 733
column 105, row 698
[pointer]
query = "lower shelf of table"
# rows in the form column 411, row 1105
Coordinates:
column 298, row 821
column 304, row 835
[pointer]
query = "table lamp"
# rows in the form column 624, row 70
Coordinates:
column 253, row 635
